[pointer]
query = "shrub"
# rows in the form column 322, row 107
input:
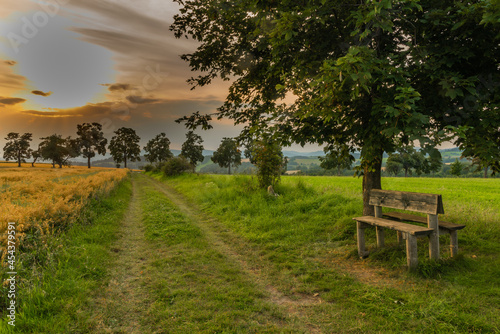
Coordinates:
column 149, row 168
column 176, row 166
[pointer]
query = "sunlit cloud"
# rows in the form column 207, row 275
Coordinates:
column 39, row 92
column 11, row 100
column 10, row 81
column 117, row 87
column 141, row 100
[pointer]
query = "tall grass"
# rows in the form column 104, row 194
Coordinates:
column 57, row 275
column 307, row 241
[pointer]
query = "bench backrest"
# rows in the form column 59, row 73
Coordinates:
column 417, row 202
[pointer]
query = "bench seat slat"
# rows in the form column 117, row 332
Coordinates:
column 419, row 219
column 394, row 225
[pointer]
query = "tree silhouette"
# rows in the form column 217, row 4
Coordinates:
column 227, row 154
column 125, row 146
column 17, row 147
column 58, row 149
column 192, row 149
column 91, row 140
column 158, row 149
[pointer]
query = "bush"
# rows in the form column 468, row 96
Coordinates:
column 176, row 166
column 149, row 168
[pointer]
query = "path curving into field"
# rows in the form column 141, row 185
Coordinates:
column 220, row 238
column 127, row 301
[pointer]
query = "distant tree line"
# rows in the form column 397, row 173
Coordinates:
column 124, row 147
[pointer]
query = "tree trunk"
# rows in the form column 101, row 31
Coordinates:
column 125, row 161
column 18, row 159
column 88, row 161
column 486, row 172
column 371, row 180
column 229, row 171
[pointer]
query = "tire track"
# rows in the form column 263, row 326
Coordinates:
column 294, row 306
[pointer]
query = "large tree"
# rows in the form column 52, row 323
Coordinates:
column 91, row 139
column 192, row 149
column 17, row 147
column 58, row 149
column 158, row 149
column 227, row 154
column 360, row 74
column 124, row 146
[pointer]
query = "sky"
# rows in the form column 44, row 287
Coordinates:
column 115, row 62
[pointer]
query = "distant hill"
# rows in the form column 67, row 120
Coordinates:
column 296, row 158
column 292, row 154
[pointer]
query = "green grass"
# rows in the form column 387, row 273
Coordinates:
column 305, row 240
column 196, row 288
column 56, row 279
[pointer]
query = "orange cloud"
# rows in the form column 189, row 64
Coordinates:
column 140, row 100
column 39, row 92
column 10, row 101
column 117, row 87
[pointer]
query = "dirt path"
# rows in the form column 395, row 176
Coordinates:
column 293, row 305
column 123, row 305
column 125, row 300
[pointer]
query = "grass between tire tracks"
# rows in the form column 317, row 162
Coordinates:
column 197, row 289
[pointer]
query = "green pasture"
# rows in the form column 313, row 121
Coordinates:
column 305, row 241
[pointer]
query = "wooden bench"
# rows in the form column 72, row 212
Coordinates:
column 444, row 227
column 430, row 204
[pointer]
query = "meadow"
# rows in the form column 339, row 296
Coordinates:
column 305, row 240
column 214, row 253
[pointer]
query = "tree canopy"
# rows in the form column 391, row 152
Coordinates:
column 158, row 149
column 124, row 146
column 227, row 154
column 91, row 140
column 17, row 147
column 58, row 149
column 365, row 75
column 192, row 149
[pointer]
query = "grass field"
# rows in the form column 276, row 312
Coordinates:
column 215, row 254
column 305, row 240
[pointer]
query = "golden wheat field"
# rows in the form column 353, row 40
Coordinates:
column 42, row 199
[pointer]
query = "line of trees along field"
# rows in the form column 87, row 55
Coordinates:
column 123, row 147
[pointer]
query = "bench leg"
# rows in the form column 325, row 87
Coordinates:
column 361, row 240
column 453, row 243
column 411, row 251
column 380, row 237
column 400, row 238
column 432, row 222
